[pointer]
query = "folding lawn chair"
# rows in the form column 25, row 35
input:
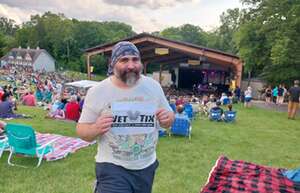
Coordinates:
column 22, row 140
column 188, row 109
column 229, row 116
column 181, row 126
column 226, row 101
column 173, row 107
column 3, row 145
column 215, row 115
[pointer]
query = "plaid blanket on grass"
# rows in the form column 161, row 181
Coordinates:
column 62, row 146
column 235, row 176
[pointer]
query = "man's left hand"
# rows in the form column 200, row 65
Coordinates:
column 165, row 117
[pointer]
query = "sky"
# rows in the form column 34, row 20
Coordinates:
column 142, row 15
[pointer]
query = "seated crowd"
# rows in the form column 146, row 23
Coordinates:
column 38, row 89
column 204, row 105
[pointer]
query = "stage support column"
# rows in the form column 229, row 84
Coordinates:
column 160, row 77
column 145, row 68
column 88, row 66
column 239, row 70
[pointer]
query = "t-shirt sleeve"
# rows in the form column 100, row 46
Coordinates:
column 88, row 114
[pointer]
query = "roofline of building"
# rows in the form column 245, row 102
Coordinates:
column 143, row 35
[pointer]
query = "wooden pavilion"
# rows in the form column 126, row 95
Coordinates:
column 192, row 64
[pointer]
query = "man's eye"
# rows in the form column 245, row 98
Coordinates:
column 135, row 59
column 124, row 60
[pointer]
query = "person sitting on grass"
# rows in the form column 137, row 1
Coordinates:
column 229, row 107
column 73, row 109
column 29, row 99
column 56, row 111
column 217, row 108
column 8, row 106
column 58, row 114
column 204, row 100
column 224, row 98
column 180, row 113
column 211, row 103
column 1, row 94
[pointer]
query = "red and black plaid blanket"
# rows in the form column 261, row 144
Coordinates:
column 236, row 176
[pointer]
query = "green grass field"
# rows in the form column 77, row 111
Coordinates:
column 258, row 136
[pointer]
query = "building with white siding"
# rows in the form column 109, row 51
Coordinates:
column 35, row 59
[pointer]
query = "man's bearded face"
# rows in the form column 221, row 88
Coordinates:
column 128, row 69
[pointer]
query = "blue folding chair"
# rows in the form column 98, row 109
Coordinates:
column 226, row 101
column 215, row 115
column 162, row 132
column 188, row 109
column 173, row 106
column 22, row 140
column 229, row 116
column 181, row 126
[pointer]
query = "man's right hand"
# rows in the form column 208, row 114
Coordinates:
column 103, row 124
column 90, row 131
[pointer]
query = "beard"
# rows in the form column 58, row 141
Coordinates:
column 129, row 77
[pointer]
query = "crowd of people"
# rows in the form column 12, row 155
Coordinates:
column 203, row 105
column 277, row 94
column 45, row 89
column 23, row 86
column 127, row 158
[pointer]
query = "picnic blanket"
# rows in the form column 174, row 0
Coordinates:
column 237, row 176
column 11, row 116
column 62, row 146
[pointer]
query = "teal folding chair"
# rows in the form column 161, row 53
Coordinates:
column 22, row 140
column 3, row 145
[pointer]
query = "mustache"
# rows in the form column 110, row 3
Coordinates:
column 131, row 71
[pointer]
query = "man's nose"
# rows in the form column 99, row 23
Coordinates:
column 130, row 64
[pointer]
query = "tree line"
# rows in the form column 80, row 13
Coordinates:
column 265, row 34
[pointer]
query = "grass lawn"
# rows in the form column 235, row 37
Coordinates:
column 258, row 136
column 83, row 76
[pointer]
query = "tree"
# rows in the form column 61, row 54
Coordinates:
column 8, row 26
column 66, row 39
column 2, row 44
column 270, row 39
column 222, row 38
column 187, row 33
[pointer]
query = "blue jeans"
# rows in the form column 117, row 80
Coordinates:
column 116, row 179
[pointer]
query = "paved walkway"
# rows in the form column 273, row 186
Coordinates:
column 272, row 106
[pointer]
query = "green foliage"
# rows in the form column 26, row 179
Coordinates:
column 2, row 44
column 223, row 37
column 187, row 33
column 66, row 39
column 8, row 26
column 269, row 39
column 252, row 47
column 265, row 35
column 8, row 29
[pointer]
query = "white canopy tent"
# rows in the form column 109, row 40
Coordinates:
column 82, row 84
column 76, row 87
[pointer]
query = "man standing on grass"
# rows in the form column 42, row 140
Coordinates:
column 125, row 162
column 294, row 94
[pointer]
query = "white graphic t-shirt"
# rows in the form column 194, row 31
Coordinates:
column 131, row 142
